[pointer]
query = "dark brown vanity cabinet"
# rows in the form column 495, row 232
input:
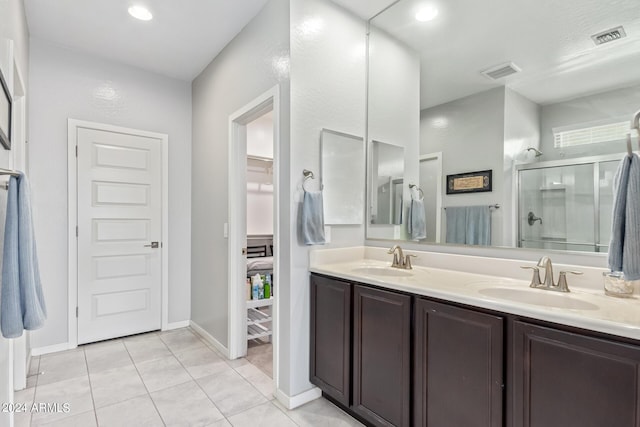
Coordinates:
column 395, row 359
column 381, row 356
column 567, row 379
column 458, row 366
column 331, row 337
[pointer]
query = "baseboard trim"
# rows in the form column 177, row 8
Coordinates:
column 210, row 339
column 39, row 351
column 292, row 402
column 177, row 325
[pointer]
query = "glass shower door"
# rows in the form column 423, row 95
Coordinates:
column 607, row 171
column 556, row 208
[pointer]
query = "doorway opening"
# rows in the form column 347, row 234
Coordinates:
column 259, row 242
column 431, row 185
column 253, row 232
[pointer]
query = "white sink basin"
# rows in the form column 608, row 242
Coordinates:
column 382, row 271
column 539, row 297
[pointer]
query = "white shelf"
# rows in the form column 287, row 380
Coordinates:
column 255, row 316
column 259, row 321
column 257, row 331
column 255, row 303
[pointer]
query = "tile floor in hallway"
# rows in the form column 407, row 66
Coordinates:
column 161, row 378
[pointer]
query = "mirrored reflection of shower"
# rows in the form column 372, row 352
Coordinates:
column 535, row 150
column 532, row 218
column 566, row 204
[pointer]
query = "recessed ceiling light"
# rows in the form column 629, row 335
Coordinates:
column 141, row 13
column 427, row 13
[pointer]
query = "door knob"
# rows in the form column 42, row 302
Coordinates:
column 153, row 245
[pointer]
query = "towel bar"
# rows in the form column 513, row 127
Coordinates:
column 496, row 206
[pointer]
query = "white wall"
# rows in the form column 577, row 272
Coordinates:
column 619, row 103
column 253, row 62
column 260, row 207
column 394, row 112
column 260, row 136
column 327, row 91
column 65, row 84
column 14, row 46
column 13, row 26
column 521, row 130
column 470, row 134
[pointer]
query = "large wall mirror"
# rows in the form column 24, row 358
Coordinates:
column 539, row 93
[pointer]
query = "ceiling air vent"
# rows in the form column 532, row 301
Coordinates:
column 610, row 35
column 502, row 70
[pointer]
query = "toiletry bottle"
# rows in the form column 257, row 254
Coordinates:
column 260, row 290
column 267, row 287
column 256, row 279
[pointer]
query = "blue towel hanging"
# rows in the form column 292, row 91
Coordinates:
column 313, row 218
column 22, row 301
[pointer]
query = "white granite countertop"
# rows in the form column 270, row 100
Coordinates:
column 586, row 306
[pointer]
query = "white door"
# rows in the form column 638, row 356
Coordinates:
column 119, row 234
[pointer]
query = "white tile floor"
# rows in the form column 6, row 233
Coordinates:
column 160, row 379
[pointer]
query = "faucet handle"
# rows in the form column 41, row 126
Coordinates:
column 562, row 280
column 407, row 261
column 535, row 280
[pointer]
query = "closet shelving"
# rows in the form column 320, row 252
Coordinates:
column 259, row 318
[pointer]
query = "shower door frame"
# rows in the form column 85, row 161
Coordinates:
column 595, row 161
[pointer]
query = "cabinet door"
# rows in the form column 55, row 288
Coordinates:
column 381, row 364
column 566, row 379
column 458, row 378
column 331, row 337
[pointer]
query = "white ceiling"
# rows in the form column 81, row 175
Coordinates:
column 183, row 37
column 365, row 9
column 549, row 39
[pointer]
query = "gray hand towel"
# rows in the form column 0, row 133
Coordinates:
column 313, row 218
column 417, row 223
column 620, row 185
column 22, row 301
column 631, row 248
column 478, row 225
column 456, row 224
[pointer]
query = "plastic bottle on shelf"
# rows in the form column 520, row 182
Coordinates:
column 267, row 287
column 257, row 284
column 260, row 290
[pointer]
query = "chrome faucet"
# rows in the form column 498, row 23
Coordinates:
column 545, row 262
column 400, row 260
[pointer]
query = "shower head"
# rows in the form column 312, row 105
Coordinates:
column 538, row 152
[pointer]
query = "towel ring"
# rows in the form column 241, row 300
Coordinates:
column 412, row 186
column 307, row 176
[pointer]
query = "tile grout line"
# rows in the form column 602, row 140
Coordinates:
column 285, row 414
column 225, row 359
column 195, row 380
column 35, row 389
column 144, row 384
column 93, row 401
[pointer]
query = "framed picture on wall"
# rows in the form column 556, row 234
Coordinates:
column 470, row 182
column 5, row 114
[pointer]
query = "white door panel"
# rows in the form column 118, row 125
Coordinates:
column 119, row 215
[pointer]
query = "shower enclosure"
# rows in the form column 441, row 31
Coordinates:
column 566, row 204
